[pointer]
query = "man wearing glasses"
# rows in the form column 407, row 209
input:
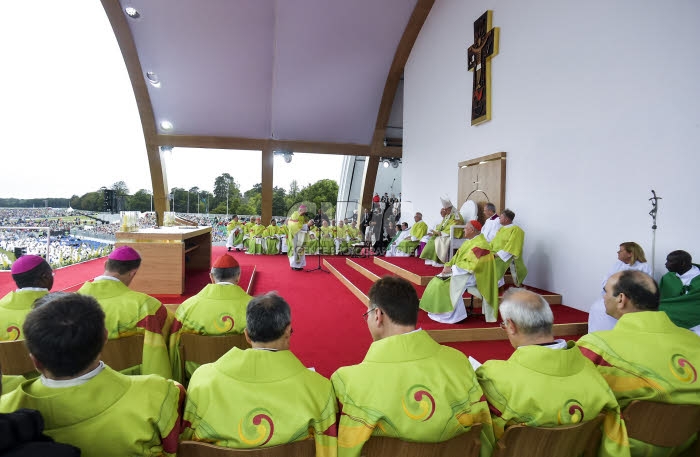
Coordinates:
column 408, row 386
column 546, row 382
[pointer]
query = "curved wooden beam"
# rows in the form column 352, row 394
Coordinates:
column 403, row 50
column 118, row 20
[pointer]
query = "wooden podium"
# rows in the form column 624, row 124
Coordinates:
column 167, row 255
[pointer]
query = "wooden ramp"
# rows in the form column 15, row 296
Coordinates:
column 358, row 275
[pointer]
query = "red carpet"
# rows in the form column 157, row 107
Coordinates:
column 329, row 330
column 414, row 264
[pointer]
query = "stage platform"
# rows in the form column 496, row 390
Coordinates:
column 358, row 275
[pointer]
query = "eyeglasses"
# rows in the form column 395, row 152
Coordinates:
column 364, row 316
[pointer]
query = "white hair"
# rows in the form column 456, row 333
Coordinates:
column 529, row 312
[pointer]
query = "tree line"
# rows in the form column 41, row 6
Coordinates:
column 227, row 194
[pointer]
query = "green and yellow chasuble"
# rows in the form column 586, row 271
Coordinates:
column 14, row 308
column 510, row 238
column 418, row 231
column 254, row 244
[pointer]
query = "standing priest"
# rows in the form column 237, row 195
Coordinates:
column 296, row 235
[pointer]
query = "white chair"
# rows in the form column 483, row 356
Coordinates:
column 469, row 212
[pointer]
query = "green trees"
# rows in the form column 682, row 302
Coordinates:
column 323, row 194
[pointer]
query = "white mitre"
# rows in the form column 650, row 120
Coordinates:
column 446, row 203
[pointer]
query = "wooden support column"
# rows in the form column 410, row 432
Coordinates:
column 268, row 161
column 368, row 179
column 159, row 181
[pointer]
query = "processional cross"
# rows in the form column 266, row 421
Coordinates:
column 479, row 61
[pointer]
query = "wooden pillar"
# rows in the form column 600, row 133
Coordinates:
column 267, row 177
column 369, row 179
column 159, row 181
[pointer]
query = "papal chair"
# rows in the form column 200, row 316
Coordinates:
column 123, row 353
column 207, row 349
column 465, row 445
column 578, row 440
column 306, row 448
column 663, row 424
column 14, row 358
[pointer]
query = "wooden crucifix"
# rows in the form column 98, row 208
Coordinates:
column 479, row 61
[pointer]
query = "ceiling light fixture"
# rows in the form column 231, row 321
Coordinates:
column 395, row 163
column 166, row 125
column 152, row 78
column 286, row 155
column 385, row 163
column 132, row 12
column 166, row 149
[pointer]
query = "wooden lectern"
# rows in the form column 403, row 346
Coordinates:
column 167, row 255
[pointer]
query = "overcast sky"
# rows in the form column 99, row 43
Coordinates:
column 68, row 118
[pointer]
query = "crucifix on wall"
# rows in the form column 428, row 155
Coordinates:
column 479, row 61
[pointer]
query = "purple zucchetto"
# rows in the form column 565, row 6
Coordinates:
column 26, row 263
column 124, row 254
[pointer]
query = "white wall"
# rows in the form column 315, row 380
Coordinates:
column 595, row 103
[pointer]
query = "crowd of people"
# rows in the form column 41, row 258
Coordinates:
column 408, row 386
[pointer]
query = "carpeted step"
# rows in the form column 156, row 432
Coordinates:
column 356, row 282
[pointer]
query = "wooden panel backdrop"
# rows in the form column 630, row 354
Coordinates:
column 483, row 180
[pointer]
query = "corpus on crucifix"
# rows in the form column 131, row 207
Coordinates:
column 479, row 61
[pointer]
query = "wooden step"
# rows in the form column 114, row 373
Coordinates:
column 422, row 280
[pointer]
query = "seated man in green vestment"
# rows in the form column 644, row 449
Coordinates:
column 218, row 309
column 547, row 382
column 326, row 238
column 128, row 311
column 34, row 279
column 472, row 266
column 680, row 291
column 236, row 232
column 255, row 237
column 645, row 356
column 83, row 401
column 408, row 243
column 272, row 236
column 263, row 396
column 437, row 245
column 507, row 246
column 408, row 386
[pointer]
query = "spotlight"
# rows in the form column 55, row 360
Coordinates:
column 385, row 162
column 166, row 149
column 153, row 78
column 132, row 12
column 166, row 125
column 288, row 157
column 395, row 163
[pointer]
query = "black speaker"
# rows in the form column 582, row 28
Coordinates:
column 108, row 200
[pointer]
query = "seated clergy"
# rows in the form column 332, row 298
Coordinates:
column 472, row 265
column 342, row 236
column 646, row 356
column 255, row 236
column 326, row 238
column 409, row 243
column 84, row 402
column 218, row 309
column 34, row 279
column 680, row 291
column 408, row 386
column 437, row 245
column 507, row 246
column 272, row 238
column 236, row 232
column 261, row 396
column 492, row 222
column 128, row 312
column 567, row 386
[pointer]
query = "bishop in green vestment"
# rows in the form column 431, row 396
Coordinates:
column 236, row 232
column 84, row 402
column 34, row 279
column 437, row 244
column 408, row 386
column 472, row 265
column 261, row 396
column 128, row 312
column 507, row 246
column 218, row 309
column 646, row 356
column 547, row 382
